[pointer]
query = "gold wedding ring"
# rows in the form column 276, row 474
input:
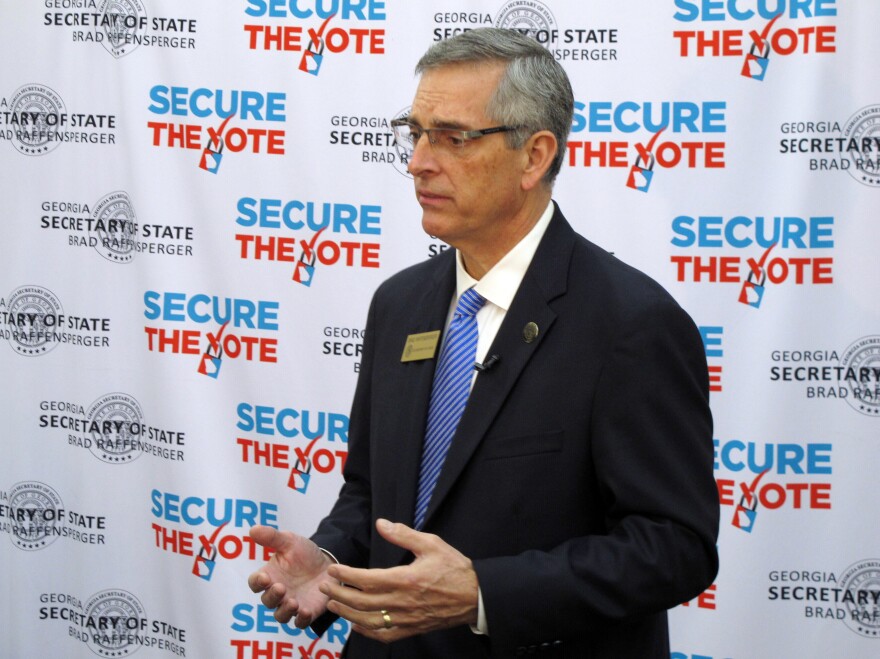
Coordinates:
column 386, row 619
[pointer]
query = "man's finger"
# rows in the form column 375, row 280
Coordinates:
column 404, row 536
column 259, row 581
column 373, row 624
column 274, row 596
column 371, row 619
column 266, row 536
column 369, row 580
column 287, row 608
column 355, row 598
column 303, row 619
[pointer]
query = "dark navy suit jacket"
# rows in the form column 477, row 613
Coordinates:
column 580, row 480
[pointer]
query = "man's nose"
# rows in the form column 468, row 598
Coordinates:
column 422, row 158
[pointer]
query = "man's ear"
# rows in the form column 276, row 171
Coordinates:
column 540, row 150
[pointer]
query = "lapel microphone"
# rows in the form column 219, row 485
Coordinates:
column 491, row 360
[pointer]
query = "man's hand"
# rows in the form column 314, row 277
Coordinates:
column 437, row 590
column 290, row 580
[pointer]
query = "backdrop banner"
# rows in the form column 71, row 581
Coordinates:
column 202, row 197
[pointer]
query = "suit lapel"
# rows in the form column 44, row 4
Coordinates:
column 427, row 314
column 545, row 280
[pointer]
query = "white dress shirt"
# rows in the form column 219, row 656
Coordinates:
column 498, row 286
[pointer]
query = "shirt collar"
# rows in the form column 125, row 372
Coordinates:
column 500, row 284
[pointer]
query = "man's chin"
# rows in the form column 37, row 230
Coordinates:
column 433, row 224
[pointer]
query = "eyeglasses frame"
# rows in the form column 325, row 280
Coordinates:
column 466, row 135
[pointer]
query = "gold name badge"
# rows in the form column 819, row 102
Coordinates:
column 420, row 346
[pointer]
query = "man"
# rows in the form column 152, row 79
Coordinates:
column 575, row 501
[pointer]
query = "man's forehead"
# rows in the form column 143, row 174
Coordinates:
column 485, row 71
column 455, row 95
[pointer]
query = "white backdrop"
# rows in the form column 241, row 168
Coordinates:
column 129, row 478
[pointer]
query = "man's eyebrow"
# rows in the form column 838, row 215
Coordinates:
column 440, row 123
column 437, row 123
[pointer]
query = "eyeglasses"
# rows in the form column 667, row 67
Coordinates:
column 407, row 135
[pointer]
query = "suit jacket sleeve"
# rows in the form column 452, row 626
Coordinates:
column 650, row 433
column 347, row 530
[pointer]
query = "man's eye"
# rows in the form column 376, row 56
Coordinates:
column 414, row 135
column 450, row 138
column 454, row 138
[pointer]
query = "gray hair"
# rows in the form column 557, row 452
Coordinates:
column 534, row 92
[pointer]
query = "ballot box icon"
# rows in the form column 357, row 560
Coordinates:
column 641, row 174
column 758, row 57
column 746, row 512
column 205, row 562
column 757, row 60
column 300, row 475
column 752, row 292
column 211, row 158
column 212, row 360
column 313, row 57
column 304, row 270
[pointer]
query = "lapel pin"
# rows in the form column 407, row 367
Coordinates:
column 530, row 332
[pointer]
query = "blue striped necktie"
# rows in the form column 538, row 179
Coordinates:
column 452, row 384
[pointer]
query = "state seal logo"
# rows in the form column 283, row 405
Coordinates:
column 33, row 314
column 35, row 511
column 116, row 420
column 864, row 128
column 127, row 616
column 123, row 23
column 862, row 363
column 115, row 227
column 862, row 580
column 39, row 110
column 403, row 152
column 530, row 17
